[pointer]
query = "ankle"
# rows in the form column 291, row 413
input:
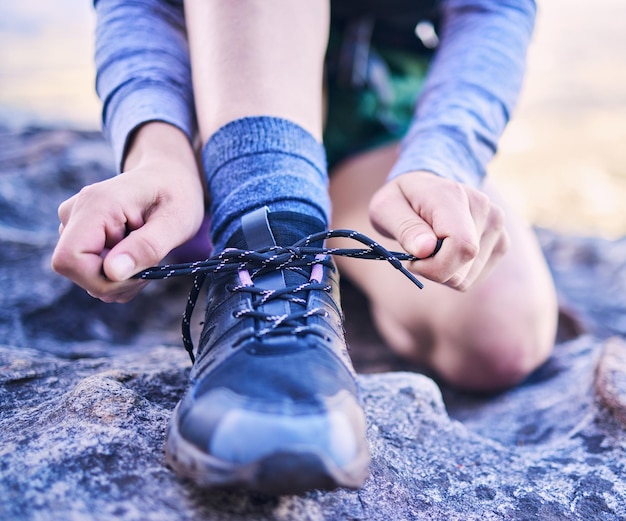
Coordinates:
column 263, row 161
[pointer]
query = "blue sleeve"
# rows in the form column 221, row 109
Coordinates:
column 471, row 89
column 143, row 70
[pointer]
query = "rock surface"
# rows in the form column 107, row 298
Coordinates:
column 87, row 389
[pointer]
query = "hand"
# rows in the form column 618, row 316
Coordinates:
column 113, row 229
column 419, row 207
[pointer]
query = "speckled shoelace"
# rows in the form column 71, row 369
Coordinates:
column 298, row 256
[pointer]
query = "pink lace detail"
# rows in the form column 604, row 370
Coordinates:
column 245, row 278
column 317, row 272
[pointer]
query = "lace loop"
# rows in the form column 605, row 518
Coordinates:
column 299, row 256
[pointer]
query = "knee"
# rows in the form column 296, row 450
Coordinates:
column 507, row 363
column 477, row 358
column 491, row 363
column 502, row 344
column 484, row 348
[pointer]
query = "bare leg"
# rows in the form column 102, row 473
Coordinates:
column 257, row 57
column 487, row 338
column 257, row 68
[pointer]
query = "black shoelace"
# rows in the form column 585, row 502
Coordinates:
column 298, row 256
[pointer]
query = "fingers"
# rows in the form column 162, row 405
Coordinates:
column 454, row 221
column 111, row 230
column 494, row 243
column 464, row 218
column 86, row 235
column 418, row 208
column 143, row 247
column 393, row 216
column 85, row 269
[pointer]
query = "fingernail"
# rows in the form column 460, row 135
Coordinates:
column 425, row 244
column 122, row 267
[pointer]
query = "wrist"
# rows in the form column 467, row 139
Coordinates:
column 413, row 174
column 157, row 142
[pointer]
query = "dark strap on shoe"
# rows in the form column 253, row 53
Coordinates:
column 256, row 229
column 258, row 235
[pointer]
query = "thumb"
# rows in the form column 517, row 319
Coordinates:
column 119, row 267
column 393, row 216
column 141, row 248
column 424, row 242
column 417, row 238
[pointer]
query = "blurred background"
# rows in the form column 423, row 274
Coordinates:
column 562, row 161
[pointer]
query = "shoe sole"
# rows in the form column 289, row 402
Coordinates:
column 280, row 473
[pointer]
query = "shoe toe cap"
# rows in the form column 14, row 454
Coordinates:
column 233, row 429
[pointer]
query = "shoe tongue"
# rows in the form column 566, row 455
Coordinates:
column 290, row 227
column 261, row 229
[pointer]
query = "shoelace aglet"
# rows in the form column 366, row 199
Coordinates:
column 409, row 276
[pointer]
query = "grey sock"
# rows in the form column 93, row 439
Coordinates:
column 263, row 161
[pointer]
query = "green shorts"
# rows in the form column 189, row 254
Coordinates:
column 371, row 107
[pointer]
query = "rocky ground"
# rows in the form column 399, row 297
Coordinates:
column 87, row 389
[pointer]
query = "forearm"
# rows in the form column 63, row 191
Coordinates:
column 471, row 90
column 143, row 71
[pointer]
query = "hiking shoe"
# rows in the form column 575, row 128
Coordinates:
column 273, row 404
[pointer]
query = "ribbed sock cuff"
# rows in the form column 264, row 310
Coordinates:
column 263, row 161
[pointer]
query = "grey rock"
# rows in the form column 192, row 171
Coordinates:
column 87, row 389
column 610, row 378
